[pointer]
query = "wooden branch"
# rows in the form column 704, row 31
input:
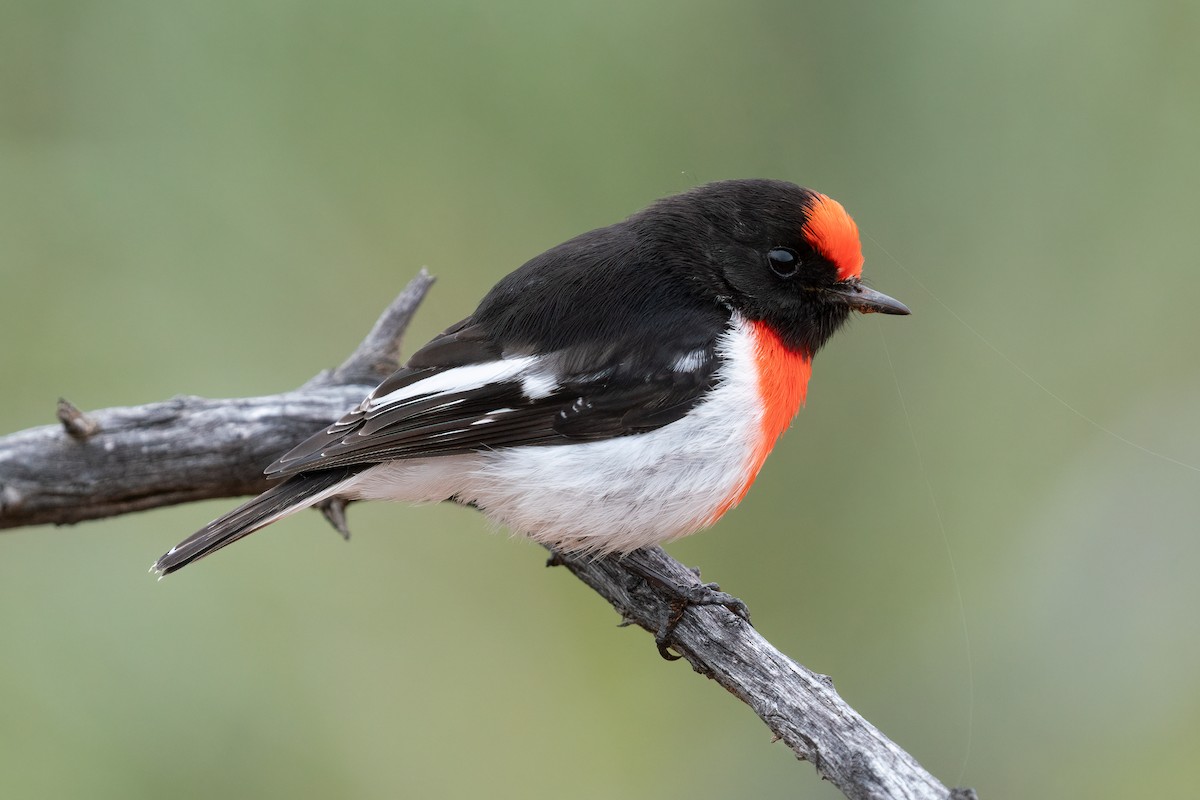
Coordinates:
column 128, row 459
column 799, row 706
column 188, row 448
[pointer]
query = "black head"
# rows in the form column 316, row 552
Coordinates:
column 773, row 251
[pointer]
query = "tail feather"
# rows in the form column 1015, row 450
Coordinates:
column 292, row 495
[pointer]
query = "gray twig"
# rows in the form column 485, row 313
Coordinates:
column 128, row 459
column 79, row 426
column 378, row 355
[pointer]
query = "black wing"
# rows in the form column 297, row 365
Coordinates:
column 593, row 339
column 430, row 409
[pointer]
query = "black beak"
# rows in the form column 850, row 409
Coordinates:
column 868, row 301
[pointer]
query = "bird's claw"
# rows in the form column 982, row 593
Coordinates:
column 708, row 594
column 681, row 596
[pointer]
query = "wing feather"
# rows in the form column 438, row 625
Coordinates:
column 425, row 415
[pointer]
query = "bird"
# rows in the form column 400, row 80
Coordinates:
column 620, row 390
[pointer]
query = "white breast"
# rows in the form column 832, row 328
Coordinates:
column 611, row 495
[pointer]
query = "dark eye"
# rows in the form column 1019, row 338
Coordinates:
column 783, row 262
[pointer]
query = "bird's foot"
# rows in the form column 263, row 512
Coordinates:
column 682, row 598
column 708, row 594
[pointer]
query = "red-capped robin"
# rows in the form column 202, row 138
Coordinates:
column 620, row 390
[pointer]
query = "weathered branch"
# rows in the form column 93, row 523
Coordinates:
column 799, row 706
column 128, row 459
column 119, row 460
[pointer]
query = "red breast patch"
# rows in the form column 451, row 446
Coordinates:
column 783, row 376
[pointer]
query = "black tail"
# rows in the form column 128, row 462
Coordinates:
column 294, row 494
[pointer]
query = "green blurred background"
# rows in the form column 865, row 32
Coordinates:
column 217, row 198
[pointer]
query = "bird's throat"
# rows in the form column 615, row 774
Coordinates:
column 783, row 374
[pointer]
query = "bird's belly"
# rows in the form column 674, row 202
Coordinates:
column 619, row 494
column 609, row 496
